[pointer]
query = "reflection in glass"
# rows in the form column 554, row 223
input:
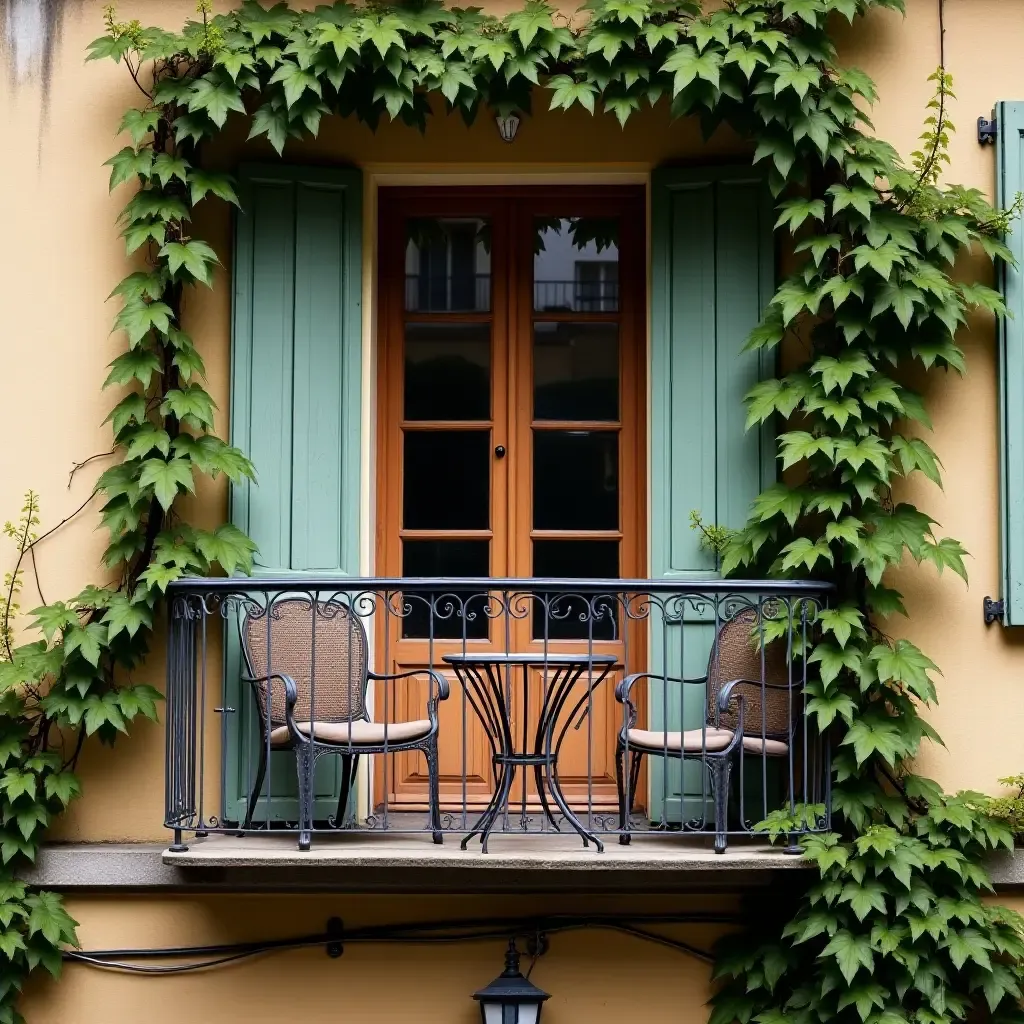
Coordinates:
column 579, row 617
column 447, row 371
column 576, row 371
column 576, row 264
column 447, row 480
column 447, row 264
column 575, row 480
column 455, row 613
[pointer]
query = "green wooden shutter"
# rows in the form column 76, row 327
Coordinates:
column 295, row 411
column 1010, row 181
column 713, row 274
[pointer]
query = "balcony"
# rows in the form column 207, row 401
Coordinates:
column 576, row 723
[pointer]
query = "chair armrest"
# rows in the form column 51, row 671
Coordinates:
column 725, row 694
column 623, row 688
column 291, row 695
column 443, row 689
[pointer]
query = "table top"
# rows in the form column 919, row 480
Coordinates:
column 538, row 660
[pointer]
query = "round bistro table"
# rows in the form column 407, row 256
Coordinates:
column 488, row 680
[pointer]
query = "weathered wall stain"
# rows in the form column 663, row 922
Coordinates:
column 31, row 35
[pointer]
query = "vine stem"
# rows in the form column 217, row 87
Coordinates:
column 76, row 466
column 67, row 519
column 23, row 546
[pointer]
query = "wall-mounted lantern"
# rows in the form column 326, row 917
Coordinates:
column 510, row 998
column 508, row 125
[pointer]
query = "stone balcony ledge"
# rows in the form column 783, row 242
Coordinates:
column 402, row 863
column 396, row 863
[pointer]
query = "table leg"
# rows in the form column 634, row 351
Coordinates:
column 538, row 770
column 563, row 806
column 486, row 820
column 559, row 697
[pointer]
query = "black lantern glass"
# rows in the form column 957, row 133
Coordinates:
column 510, row 998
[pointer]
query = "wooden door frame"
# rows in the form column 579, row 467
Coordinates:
column 395, row 203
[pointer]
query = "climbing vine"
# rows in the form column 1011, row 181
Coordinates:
column 895, row 929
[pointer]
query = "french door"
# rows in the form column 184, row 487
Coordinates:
column 511, row 442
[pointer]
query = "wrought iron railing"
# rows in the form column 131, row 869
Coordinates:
column 473, row 707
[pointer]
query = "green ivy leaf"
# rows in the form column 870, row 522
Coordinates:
column 167, row 479
column 139, row 700
column 565, row 92
column 87, row 640
column 212, row 455
column 864, row 897
column 158, row 576
column 793, row 212
column 48, row 916
column 167, row 168
column 136, row 364
column 203, row 183
column 129, row 163
column 195, row 257
column 191, row 404
column 139, row 124
column 139, row 317
column 851, row 953
column 916, row 453
column 798, row 77
column 860, row 197
column 124, row 615
column 945, row 553
column 143, row 438
column 216, row 95
column 228, row 546
column 880, row 259
column 842, row 622
column 836, row 373
column 968, row 944
column 103, row 710
column 826, row 709
column 15, row 784
column 295, row 82
column 63, row 786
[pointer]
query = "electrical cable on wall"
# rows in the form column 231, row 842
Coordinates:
column 336, row 937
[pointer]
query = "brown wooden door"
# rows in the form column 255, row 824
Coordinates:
column 511, row 398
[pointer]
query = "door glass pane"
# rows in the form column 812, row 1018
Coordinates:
column 455, row 613
column 447, row 480
column 576, row 264
column 447, row 371
column 576, row 371
column 447, row 264
column 575, row 480
column 576, row 616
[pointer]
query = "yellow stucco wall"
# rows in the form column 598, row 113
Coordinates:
column 66, row 257
column 590, row 975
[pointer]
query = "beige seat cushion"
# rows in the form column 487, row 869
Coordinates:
column 359, row 734
column 773, row 748
column 691, row 741
column 694, row 741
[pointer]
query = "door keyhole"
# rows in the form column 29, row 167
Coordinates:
column 500, row 451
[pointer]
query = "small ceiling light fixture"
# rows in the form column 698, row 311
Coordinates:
column 510, row 998
column 508, row 125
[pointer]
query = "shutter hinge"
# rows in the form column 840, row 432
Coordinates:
column 987, row 131
column 993, row 610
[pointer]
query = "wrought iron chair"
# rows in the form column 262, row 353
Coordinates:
column 749, row 708
column 320, row 653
